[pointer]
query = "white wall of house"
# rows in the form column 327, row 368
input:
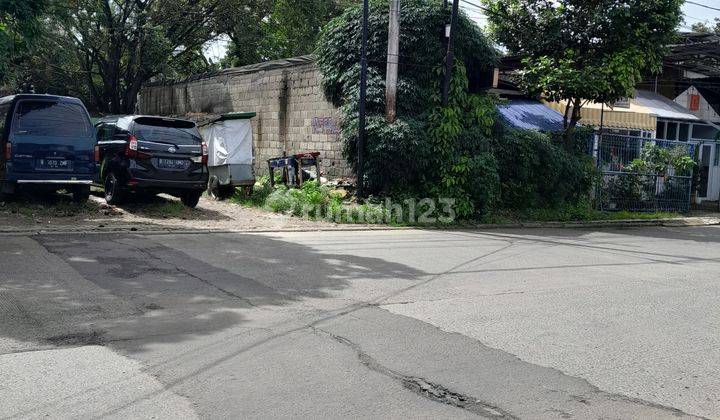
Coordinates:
column 705, row 111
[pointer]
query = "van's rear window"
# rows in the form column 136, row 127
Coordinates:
column 166, row 131
column 45, row 118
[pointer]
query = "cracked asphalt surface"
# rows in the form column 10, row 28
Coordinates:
column 390, row 324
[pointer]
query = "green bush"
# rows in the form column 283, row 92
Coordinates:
column 536, row 172
column 310, row 200
column 397, row 156
column 623, row 192
column 461, row 151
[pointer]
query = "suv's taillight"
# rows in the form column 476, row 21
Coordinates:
column 8, row 151
column 96, row 154
column 204, row 149
column 132, row 147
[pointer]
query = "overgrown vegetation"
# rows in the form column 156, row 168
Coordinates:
column 319, row 202
column 325, row 204
column 261, row 30
column 659, row 178
column 584, row 51
column 19, row 26
column 460, row 152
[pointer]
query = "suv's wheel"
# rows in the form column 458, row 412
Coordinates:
column 113, row 189
column 191, row 198
column 81, row 194
column 219, row 192
column 214, row 188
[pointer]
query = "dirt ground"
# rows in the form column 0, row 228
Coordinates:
column 57, row 212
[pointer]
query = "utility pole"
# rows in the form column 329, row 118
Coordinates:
column 361, row 116
column 450, row 57
column 393, row 58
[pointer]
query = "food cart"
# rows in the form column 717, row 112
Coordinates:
column 229, row 138
column 293, row 168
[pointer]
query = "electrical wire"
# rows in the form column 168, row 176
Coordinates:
column 702, row 5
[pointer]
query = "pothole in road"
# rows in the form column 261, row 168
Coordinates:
column 441, row 394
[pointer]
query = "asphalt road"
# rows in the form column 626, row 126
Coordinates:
column 383, row 324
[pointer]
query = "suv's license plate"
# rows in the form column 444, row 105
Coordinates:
column 55, row 164
column 172, row 163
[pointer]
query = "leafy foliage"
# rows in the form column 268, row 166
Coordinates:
column 459, row 151
column 461, row 148
column 536, row 172
column 19, row 26
column 401, row 158
column 576, row 51
column 659, row 160
column 267, row 30
column 705, row 27
column 422, row 49
column 111, row 48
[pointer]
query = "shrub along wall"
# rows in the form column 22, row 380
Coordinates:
column 460, row 151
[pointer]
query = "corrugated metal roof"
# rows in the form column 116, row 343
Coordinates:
column 531, row 115
column 663, row 107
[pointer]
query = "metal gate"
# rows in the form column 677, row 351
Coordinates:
column 625, row 187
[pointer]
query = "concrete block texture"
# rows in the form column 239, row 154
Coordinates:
column 293, row 114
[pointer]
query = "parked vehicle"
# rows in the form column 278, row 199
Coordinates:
column 151, row 155
column 230, row 154
column 48, row 144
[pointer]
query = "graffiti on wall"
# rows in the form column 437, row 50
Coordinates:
column 324, row 125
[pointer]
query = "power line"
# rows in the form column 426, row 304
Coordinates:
column 695, row 18
column 702, row 5
column 482, row 8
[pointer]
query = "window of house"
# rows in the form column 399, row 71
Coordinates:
column 684, row 132
column 660, row 131
column 704, row 132
column 671, row 131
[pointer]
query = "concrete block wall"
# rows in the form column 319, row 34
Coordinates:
column 292, row 112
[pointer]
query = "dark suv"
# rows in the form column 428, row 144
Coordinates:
column 151, row 154
column 48, row 144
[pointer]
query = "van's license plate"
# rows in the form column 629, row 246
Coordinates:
column 55, row 164
column 172, row 163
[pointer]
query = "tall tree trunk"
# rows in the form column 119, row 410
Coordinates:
column 571, row 123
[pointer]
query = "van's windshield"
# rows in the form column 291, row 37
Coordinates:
column 167, row 131
column 48, row 118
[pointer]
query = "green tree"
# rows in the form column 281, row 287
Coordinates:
column 19, row 25
column 706, row 27
column 273, row 29
column 115, row 46
column 584, row 50
column 421, row 149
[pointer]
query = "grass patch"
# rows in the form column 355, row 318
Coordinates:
column 313, row 201
column 574, row 213
column 47, row 208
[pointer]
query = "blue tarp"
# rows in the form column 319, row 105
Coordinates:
column 531, row 115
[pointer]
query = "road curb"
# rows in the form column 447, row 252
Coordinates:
column 158, row 230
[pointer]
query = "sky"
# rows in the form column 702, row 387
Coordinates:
column 216, row 49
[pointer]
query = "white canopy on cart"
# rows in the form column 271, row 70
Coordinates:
column 230, row 140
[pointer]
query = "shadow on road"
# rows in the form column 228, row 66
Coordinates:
column 153, row 206
column 142, row 290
